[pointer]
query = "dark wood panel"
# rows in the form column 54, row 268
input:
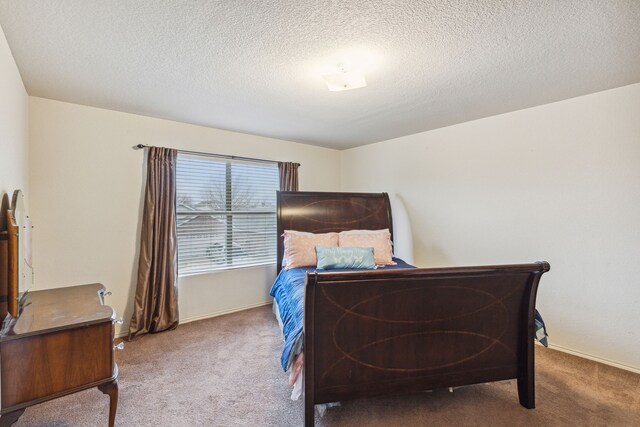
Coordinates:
column 12, row 264
column 4, row 255
column 372, row 333
column 38, row 366
column 317, row 212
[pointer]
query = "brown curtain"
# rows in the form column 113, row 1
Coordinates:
column 156, row 303
column 288, row 176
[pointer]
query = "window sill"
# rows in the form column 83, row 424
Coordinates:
column 225, row 269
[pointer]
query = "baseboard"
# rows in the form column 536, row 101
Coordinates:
column 222, row 313
column 123, row 334
column 594, row 358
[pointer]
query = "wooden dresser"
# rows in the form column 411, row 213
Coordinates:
column 61, row 343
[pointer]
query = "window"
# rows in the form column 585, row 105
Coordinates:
column 226, row 213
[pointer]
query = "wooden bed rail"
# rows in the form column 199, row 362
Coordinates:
column 375, row 333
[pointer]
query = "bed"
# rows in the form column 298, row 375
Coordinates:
column 401, row 330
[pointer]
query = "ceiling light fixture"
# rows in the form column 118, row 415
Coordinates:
column 345, row 78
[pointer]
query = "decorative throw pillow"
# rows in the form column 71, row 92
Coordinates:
column 379, row 240
column 330, row 258
column 300, row 247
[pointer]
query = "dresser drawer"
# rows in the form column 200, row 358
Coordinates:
column 41, row 366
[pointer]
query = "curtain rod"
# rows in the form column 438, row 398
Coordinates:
column 223, row 156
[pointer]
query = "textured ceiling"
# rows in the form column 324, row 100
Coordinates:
column 255, row 66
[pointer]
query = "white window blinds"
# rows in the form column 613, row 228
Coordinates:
column 226, row 213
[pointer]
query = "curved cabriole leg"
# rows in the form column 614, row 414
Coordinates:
column 112, row 390
column 10, row 418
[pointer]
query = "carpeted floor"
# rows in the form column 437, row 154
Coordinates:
column 225, row 372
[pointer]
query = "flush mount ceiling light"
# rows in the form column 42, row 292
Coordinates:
column 345, row 78
column 345, row 69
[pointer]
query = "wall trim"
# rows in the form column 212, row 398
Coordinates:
column 223, row 312
column 123, row 334
column 594, row 358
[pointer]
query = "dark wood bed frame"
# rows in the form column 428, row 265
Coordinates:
column 375, row 333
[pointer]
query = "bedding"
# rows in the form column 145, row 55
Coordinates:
column 541, row 330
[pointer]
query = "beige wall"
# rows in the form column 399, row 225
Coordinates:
column 559, row 182
column 87, row 186
column 14, row 127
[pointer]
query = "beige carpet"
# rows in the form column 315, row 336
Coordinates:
column 225, row 372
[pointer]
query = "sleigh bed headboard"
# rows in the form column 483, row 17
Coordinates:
column 320, row 212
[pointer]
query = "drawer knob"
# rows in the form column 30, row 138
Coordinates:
column 119, row 346
column 118, row 321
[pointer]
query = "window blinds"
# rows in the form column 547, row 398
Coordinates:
column 226, row 213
